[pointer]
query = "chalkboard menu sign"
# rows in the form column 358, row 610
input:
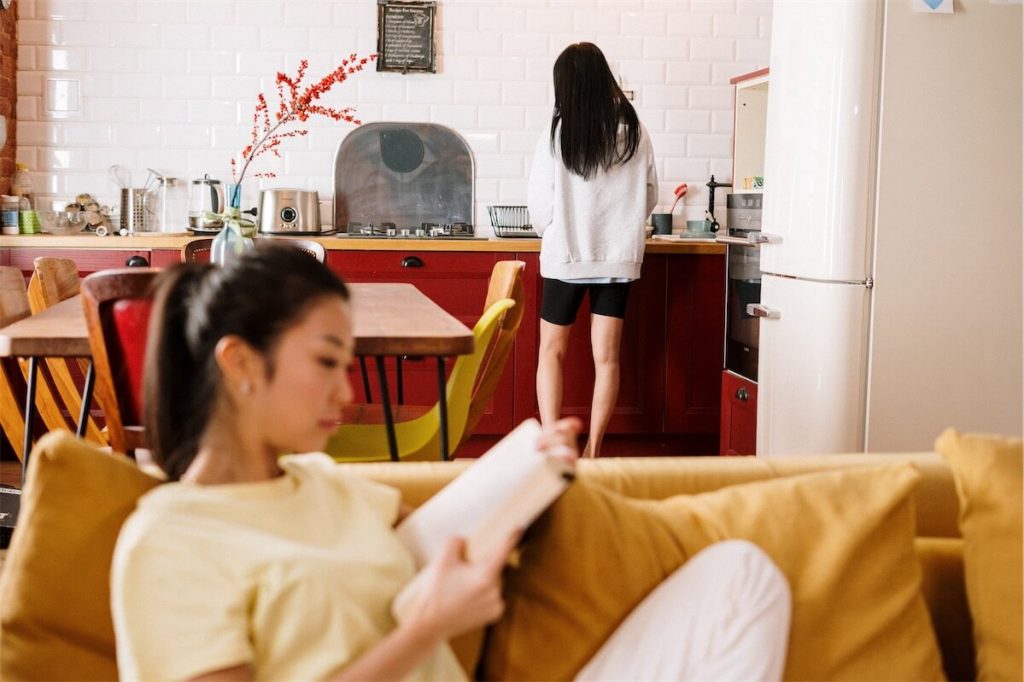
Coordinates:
column 405, row 36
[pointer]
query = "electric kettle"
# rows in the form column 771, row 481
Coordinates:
column 206, row 197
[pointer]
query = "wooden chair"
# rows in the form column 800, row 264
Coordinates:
column 420, row 438
column 14, row 306
column 54, row 280
column 117, row 304
column 506, row 282
column 198, row 250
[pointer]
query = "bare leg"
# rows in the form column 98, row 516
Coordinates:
column 554, row 339
column 605, row 336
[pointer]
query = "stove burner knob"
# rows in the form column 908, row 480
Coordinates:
column 288, row 214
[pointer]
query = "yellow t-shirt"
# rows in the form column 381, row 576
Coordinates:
column 294, row 576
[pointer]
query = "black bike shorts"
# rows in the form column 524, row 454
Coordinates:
column 561, row 301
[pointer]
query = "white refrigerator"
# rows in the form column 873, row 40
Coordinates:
column 891, row 301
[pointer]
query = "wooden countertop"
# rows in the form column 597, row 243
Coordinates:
column 176, row 241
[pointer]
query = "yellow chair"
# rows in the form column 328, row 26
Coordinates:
column 420, row 438
column 506, row 282
column 54, row 280
column 14, row 306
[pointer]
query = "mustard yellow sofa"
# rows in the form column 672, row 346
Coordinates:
column 584, row 563
column 937, row 544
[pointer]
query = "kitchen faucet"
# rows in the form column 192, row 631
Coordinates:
column 711, row 201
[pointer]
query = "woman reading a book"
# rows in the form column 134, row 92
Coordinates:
column 591, row 187
column 251, row 565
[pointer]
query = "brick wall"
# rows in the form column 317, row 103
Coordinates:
column 170, row 84
column 8, row 91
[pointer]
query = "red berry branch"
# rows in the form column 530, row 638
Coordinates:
column 295, row 104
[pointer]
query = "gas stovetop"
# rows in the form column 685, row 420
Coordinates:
column 386, row 230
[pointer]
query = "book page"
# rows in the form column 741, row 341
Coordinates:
column 502, row 492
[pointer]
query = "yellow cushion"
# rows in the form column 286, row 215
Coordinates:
column 988, row 473
column 844, row 540
column 55, row 619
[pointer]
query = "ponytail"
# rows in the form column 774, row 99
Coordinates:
column 180, row 382
column 256, row 297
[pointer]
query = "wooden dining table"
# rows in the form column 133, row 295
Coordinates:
column 389, row 320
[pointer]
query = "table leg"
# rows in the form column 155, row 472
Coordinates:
column 366, row 379
column 30, row 404
column 442, row 402
column 401, row 387
column 389, row 419
column 83, row 417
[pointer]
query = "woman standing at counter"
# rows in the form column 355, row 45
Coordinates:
column 591, row 188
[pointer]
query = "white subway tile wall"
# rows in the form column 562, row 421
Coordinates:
column 171, row 84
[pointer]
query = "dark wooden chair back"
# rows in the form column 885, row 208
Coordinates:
column 198, row 250
column 117, row 305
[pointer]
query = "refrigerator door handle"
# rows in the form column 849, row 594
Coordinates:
column 753, row 239
column 758, row 310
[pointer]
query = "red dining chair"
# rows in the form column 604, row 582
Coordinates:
column 117, row 306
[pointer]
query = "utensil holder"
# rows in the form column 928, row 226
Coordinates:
column 133, row 210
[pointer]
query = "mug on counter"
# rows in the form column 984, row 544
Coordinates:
column 662, row 223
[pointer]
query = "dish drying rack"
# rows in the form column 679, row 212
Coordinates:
column 511, row 221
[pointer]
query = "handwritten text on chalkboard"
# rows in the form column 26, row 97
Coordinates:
column 405, row 36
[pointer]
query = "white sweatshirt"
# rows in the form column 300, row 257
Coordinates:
column 591, row 228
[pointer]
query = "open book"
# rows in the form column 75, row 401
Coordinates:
column 501, row 493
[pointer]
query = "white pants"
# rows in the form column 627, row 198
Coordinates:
column 723, row 615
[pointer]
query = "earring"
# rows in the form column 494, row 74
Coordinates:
column 245, row 387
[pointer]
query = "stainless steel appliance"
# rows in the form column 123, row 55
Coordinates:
column 404, row 180
column 424, row 230
column 743, row 214
column 289, row 211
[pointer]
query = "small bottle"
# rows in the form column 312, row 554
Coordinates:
column 21, row 183
column 9, row 214
column 21, row 187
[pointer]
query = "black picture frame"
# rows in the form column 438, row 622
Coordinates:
column 405, row 36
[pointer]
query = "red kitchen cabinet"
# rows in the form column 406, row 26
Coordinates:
column 87, row 260
column 455, row 281
column 163, row 258
column 642, row 378
column 694, row 342
column 739, row 415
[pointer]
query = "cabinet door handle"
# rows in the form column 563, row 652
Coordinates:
column 412, row 262
column 741, row 394
column 136, row 261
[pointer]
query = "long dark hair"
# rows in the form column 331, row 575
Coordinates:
column 256, row 297
column 590, row 105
